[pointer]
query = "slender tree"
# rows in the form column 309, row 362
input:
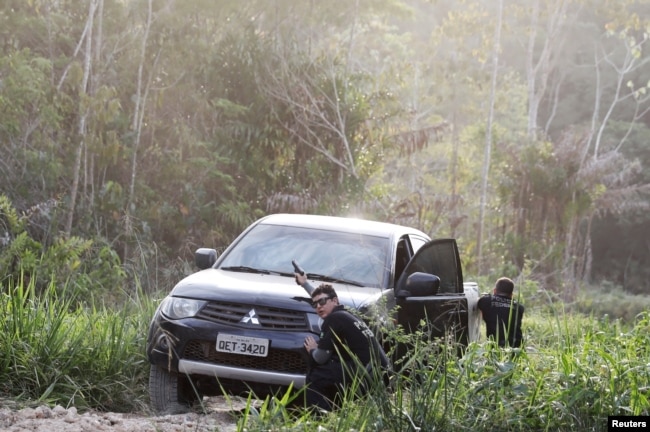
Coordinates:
column 83, row 113
column 141, row 93
column 540, row 61
column 488, row 134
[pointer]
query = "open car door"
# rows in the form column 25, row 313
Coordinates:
column 430, row 291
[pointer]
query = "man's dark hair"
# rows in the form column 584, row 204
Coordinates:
column 504, row 286
column 326, row 289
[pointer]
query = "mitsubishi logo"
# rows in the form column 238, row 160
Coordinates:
column 250, row 317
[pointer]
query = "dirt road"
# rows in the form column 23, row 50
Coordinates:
column 221, row 416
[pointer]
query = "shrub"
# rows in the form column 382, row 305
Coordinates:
column 87, row 268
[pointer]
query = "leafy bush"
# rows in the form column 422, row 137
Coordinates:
column 85, row 267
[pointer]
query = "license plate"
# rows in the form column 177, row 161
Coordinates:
column 245, row 345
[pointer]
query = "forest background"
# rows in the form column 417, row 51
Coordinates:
column 134, row 131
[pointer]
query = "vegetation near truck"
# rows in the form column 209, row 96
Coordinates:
column 134, row 132
column 240, row 322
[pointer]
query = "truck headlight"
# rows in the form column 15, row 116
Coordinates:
column 177, row 308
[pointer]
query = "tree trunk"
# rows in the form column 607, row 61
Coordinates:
column 538, row 70
column 83, row 114
column 488, row 137
column 138, row 114
column 530, row 73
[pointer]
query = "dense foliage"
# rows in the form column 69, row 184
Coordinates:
column 133, row 132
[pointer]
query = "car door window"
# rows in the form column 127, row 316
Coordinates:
column 403, row 253
column 440, row 258
column 417, row 242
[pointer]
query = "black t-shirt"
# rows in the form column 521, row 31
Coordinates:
column 344, row 333
column 502, row 317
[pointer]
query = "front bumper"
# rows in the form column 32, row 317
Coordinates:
column 241, row 374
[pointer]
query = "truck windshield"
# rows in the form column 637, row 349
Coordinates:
column 352, row 257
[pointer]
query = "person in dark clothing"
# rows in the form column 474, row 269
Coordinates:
column 502, row 314
column 347, row 347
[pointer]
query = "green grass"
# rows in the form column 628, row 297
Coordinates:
column 575, row 370
column 56, row 351
column 573, row 373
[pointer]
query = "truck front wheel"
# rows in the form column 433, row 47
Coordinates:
column 170, row 392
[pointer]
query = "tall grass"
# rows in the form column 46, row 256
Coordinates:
column 56, row 351
column 573, row 373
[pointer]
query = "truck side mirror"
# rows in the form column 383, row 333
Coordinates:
column 205, row 257
column 420, row 284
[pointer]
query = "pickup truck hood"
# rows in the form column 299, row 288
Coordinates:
column 263, row 289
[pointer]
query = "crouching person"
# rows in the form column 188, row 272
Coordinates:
column 347, row 348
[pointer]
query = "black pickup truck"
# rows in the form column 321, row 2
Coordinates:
column 240, row 322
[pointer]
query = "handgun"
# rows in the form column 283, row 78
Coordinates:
column 297, row 268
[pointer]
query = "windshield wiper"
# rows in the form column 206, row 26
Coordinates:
column 245, row 269
column 333, row 279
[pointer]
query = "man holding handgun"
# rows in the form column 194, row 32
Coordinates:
column 347, row 348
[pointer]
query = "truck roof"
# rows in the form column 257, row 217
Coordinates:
column 340, row 224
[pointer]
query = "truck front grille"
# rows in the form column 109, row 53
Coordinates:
column 264, row 317
column 277, row 360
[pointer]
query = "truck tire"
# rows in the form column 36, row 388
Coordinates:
column 170, row 392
